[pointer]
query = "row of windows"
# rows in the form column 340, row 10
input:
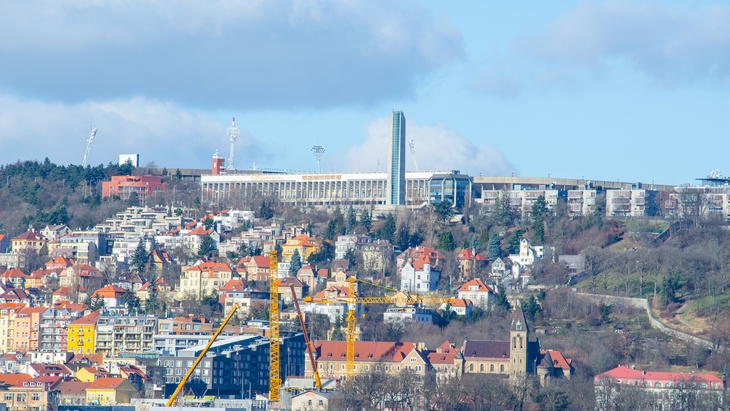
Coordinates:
column 482, row 368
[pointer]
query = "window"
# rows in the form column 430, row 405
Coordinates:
column 501, row 368
column 8, row 397
column 481, row 367
column 36, row 396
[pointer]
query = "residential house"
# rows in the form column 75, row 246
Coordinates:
column 110, row 391
column 419, row 276
column 81, row 275
column 303, row 243
column 285, row 284
column 89, row 374
column 234, row 293
column 202, row 279
column 72, row 392
column 522, row 262
column 40, row 393
column 29, row 240
column 479, row 293
column 15, row 277
column 460, row 306
column 55, row 232
column 430, row 255
column 53, row 332
column 308, row 277
column 500, row 269
column 112, row 298
column 312, row 401
column 470, row 263
column 258, row 269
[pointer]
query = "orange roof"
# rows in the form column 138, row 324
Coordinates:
column 260, row 261
column 475, row 282
column 63, row 291
column 444, row 354
column 559, row 361
column 89, row 319
column 106, row 383
column 61, row 260
column 80, row 307
column 14, row 379
column 32, row 310
column 13, row 272
column 200, row 231
column 93, row 358
column 460, row 302
column 235, row 284
column 110, row 291
column 365, row 350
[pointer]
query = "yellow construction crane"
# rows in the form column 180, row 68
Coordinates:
column 181, row 385
column 274, row 323
column 401, row 298
column 312, row 361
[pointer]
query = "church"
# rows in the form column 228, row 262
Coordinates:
column 517, row 357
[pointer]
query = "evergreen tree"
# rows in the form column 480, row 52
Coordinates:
column 502, row 300
column 403, row 237
column 446, row 241
column 296, row 262
column 505, row 214
column 351, row 219
column 494, row 248
column 140, row 257
column 387, row 230
column 340, row 228
column 444, row 212
column 538, row 214
column 207, row 247
column 351, row 257
column 366, row 220
column 208, row 223
column 416, row 239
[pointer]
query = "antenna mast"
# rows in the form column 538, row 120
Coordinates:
column 232, row 136
column 88, row 146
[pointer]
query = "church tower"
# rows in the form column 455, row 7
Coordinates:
column 519, row 334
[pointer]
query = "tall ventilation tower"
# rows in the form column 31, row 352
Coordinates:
column 232, row 136
column 397, row 163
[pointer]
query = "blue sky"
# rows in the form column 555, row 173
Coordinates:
column 629, row 90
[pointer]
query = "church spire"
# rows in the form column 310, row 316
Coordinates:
column 518, row 321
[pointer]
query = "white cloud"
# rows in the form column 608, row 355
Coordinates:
column 160, row 132
column 666, row 44
column 436, row 147
column 273, row 54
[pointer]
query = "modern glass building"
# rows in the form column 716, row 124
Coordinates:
column 397, row 164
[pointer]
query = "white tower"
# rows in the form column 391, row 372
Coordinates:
column 232, row 136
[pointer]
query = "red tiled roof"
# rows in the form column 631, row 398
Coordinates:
column 559, row 361
column 460, row 302
column 14, row 379
column 364, row 350
column 13, row 272
column 623, row 372
column 73, row 387
column 260, row 261
column 200, row 231
column 479, row 283
column 235, row 284
column 110, row 291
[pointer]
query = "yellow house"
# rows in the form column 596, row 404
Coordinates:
column 203, row 279
column 89, row 374
column 303, row 243
column 110, row 391
column 82, row 334
column 8, row 314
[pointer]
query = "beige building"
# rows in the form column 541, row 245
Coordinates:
column 391, row 357
column 203, row 279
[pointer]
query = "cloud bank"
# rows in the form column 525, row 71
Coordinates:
column 160, row 132
column 227, row 53
column 436, row 148
column 668, row 45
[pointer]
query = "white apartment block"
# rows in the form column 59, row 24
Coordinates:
column 629, row 203
column 581, row 202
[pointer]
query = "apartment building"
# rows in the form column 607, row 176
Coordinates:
column 124, row 334
column 232, row 363
column 204, row 278
column 53, row 334
column 630, row 203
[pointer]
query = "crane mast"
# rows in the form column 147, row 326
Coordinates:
column 274, row 339
column 88, row 146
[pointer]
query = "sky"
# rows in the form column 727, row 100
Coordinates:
column 617, row 90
